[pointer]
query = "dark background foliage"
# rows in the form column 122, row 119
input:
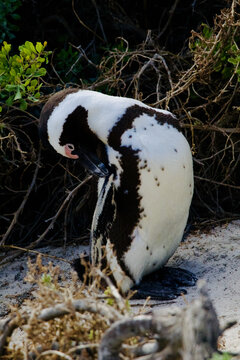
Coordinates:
column 55, row 20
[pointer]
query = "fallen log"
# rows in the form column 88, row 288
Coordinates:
column 185, row 334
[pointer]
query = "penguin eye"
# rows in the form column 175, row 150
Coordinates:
column 70, row 147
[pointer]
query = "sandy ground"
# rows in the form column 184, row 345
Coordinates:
column 214, row 256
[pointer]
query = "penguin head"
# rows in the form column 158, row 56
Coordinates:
column 63, row 125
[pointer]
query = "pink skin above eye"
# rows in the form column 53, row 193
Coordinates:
column 68, row 151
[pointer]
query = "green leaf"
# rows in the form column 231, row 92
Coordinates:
column 18, row 94
column 46, row 279
column 224, row 356
column 207, row 31
column 9, row 101
column 40, row 72
column 33, row 98
column 15, row 16
column 91, row 334
column 30, row 89
column 23, row 104
column 218, row 66
column 0, row 108
column 20, row 73
column 10, row 87
column 24, row 51
column 110, row 301
column 13, row 72
column 41, row 59
column 39, row 87
column 28, row 72
column 33, row 68
column 34, row 82
column 37, row 95
column 227, row 72
column 233, row 61
column 6, row 47
column 29, row 45
column 39, row 47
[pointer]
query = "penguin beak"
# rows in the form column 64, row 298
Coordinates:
column 91, row 162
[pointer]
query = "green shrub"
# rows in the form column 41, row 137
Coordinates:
column 72, row 66
column 218, row 47
column 20, row 75
column 64, row 61
column 224, row 356
column 7, row 18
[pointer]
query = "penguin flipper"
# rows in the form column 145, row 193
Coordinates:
column 103, row 218
column 165, row 284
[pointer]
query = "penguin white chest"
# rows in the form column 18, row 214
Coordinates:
column 165, row 191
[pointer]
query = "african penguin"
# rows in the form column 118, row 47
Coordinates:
column 145, row 185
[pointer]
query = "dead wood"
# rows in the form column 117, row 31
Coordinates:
column 67, row 321
column 7, row 326
column 187, row 334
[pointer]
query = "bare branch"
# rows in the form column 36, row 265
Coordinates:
column 84, row 25
column 21, row 207
column 190, row 334
column 67, row 199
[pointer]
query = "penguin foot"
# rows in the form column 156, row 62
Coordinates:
column 165, row 284
column 171, row 276
column 79, row 266
column 156, row 291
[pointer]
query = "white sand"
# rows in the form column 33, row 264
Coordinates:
column 214, row 256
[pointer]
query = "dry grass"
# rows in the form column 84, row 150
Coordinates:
column 68, row 318
column 71, row 320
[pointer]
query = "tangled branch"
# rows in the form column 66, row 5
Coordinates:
column 188, row 333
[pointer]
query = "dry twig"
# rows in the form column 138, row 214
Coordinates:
column 21, row 207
